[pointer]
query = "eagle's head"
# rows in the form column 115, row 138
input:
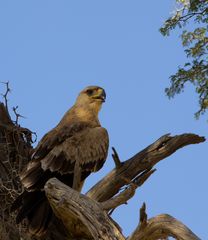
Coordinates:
column 92, row 96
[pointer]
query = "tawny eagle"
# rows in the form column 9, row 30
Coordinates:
column 72, row 150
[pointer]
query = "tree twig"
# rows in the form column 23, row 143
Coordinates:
column 17, row 115
column 8, row 90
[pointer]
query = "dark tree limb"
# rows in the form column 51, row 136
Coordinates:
column 120, row 199
column 146, row 159
column 161, row 227
column 128, row 193
column 83, row 217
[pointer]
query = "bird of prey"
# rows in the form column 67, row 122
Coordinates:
column 72, row 150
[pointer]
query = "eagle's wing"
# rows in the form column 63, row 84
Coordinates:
column 60, row 149
column 85, row 151
column 88, row 147
column 56, row 136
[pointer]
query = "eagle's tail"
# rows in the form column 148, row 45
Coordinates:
column 35, row 207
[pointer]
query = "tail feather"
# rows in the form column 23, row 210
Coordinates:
column 29, row 204
column 34, row 177
column 18, row 201
column 39, row 218
column 35, row 207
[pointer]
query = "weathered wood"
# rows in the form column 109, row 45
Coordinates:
column 146, row 159
column 128, row 193
column 83, row 217
column 161, row 227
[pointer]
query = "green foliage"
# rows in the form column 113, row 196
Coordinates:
column 195, row 70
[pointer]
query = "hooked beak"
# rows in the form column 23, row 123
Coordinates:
column 101, row 95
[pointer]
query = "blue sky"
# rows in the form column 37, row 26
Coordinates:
column 50, row 50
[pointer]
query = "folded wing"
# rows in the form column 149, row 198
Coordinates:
column 78, row 147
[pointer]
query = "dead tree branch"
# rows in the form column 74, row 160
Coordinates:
column 161, row 227
column 128, row 193
column 17, row 115
column 110, row 185
column 120, row 199
column 8, row 90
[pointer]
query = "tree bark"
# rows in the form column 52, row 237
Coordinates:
column 83, row 217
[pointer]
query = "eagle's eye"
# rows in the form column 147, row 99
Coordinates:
column 89, row 92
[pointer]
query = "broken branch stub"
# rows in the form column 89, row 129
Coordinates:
column 161, row 227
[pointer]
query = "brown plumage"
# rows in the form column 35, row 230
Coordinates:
column 77, row 146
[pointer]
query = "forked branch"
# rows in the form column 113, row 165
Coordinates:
column 5, row 95
column 161, row 227
column 110, row 185
column 128, row 193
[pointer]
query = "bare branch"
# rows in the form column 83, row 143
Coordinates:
column 161, row 227
column 190, row 15
column 146, row 159
column 17, row 115
column 128, row 193
column 143, row 216
column 120, row 199
column 8, row 90
column 140, row 179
